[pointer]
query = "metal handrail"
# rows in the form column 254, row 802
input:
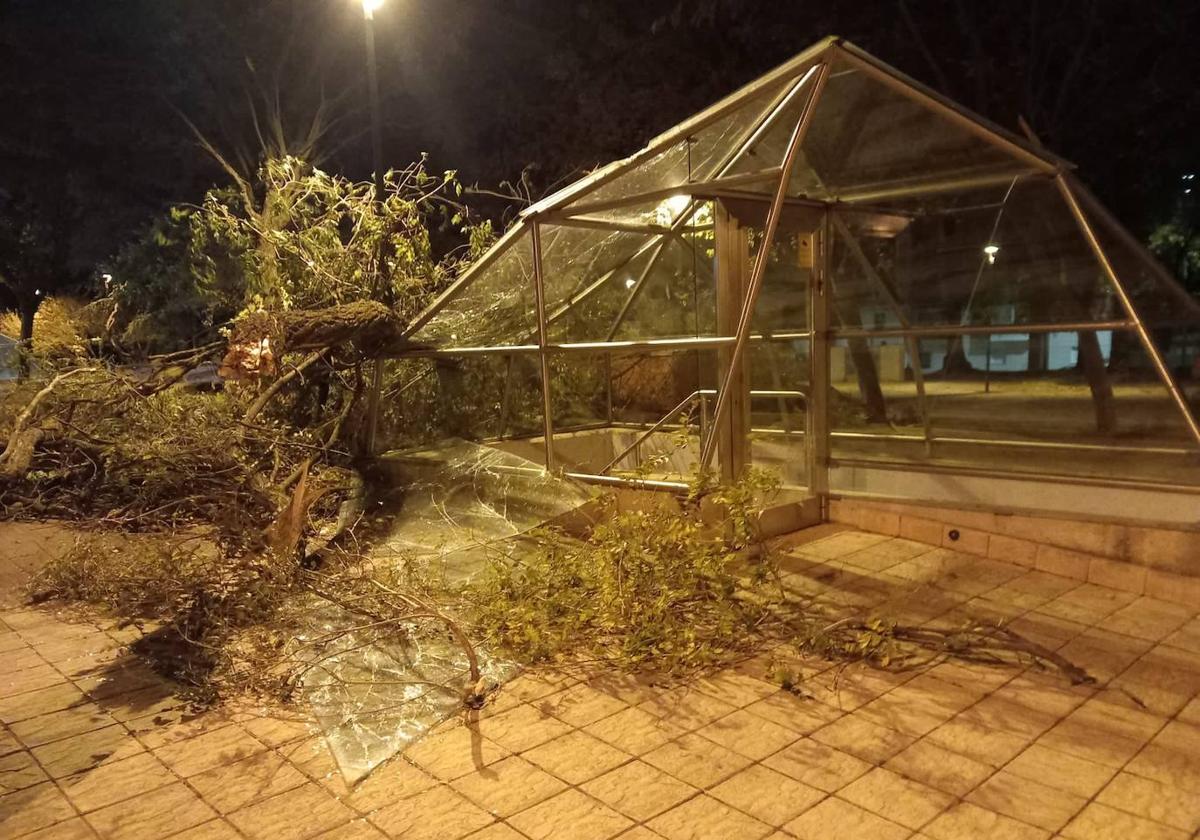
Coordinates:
column 700, row 392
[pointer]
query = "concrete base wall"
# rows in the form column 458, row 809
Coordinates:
column 1160, row 562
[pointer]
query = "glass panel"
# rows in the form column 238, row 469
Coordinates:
column 769, row 148
column 782, row 304
column 497, row 307
column 1171, row 315
column 677, row 299
column 779, row 378
column 428, row 401
column 865, row 135
column 996, row 256
column 575, row 258
column 698, row 157
column 1085, row 404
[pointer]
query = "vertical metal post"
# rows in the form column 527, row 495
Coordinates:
column 375, row 394
column 539, row 292
column 816, row 437
column 1147, row 341
column 760, row 264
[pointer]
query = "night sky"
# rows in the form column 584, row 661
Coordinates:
column 94, row 93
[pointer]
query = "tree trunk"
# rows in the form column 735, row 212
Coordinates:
column 25, row 349
column 868, row 380
column 1091, row 362
column 1037, row 352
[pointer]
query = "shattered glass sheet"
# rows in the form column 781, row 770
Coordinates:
column 454, row 507
column 372, row 699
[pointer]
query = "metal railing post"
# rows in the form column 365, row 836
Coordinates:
column 539, row 290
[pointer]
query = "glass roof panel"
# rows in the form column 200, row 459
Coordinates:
column 999, row 256
column 695, row 158
column 865, row 135
column 496, row 307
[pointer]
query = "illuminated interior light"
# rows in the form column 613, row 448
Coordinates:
column 991, row 250
column 670, row 209
column 629, row 281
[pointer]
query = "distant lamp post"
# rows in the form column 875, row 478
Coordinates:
column 369, row 8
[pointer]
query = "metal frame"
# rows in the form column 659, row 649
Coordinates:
column 1147, row 341
column 764, row 252
column 807, row 74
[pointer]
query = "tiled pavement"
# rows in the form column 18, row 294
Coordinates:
column 93, row 747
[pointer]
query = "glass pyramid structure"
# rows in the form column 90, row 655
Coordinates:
column 832, row 268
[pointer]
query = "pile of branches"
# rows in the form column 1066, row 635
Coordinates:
column 221, row 496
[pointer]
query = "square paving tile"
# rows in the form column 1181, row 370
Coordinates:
column 116, row 781
column 802, row 715
column 521, row 728
column 896, row 798
column 73, row 755
column 939, row 768
column 84, row 717
column 634, row 731
column 859, row 735
column 696, row 760
column 1027, row 800
column 1100, row 822
column 837, row 819
column 577, row 757
column 436, row 814
column 687, row 707
column 580, row 705
column 212, row 749
column 454, row 752
column 19, row 770
column 747, row 733
column 638, row 790
column 817, row 765
column 510, row 785
column 1061, row 770
column 965, row 821
column 704, row 817
column 1153, row 800
column 767, row 795
column 989, row 746
column 157, row 814
column 292, row 815
column 570, row 814
column 233, row 786
column 33, row 808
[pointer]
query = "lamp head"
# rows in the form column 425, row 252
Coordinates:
column 370, row 7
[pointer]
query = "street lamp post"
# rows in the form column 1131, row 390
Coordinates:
column 369, row 8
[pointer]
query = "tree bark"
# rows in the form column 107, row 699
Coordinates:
column 868, row 380
column 25, row 348
column 1091, row 362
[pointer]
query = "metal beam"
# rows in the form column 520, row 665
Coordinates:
column 952, row 330
column 694, row 188
column 1147, row 341
column 764, row 254
column 915, row 187
column 539, row 288
column 982, row 472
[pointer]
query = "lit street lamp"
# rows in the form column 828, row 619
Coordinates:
column 369, row 9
